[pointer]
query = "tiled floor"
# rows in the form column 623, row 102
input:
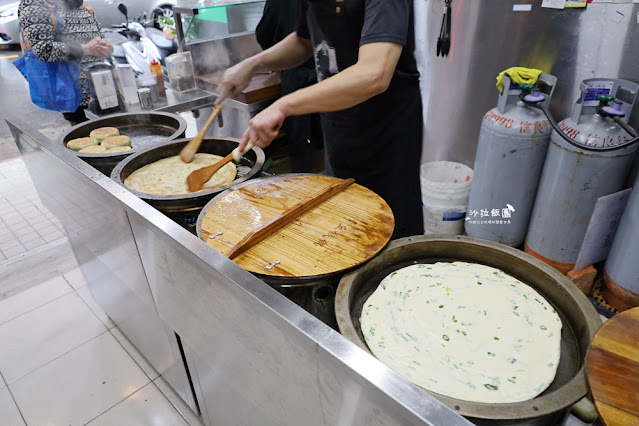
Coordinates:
column 25, row 224
column 63, row 363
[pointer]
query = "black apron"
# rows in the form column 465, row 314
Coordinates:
column 303, row 132
column 378, row 142
column 384, row 160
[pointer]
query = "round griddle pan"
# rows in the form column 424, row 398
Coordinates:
column 579, row 318
column 250, row 166
column 145, row 129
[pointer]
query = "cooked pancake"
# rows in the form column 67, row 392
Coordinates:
column 119, row 149
column 168, row 176
column 115, row 141
column 94, row 149
column 104, row 132
column 464, row 330
column 80, row 143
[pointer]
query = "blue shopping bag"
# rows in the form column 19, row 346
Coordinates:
column 52, row 85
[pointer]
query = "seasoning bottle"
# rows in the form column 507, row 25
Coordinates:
column 156, row 69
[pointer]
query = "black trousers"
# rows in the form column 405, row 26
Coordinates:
column 383, row 156
column 76, row 117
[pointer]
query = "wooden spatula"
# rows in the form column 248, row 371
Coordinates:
column 199, row 177
column 189, row 151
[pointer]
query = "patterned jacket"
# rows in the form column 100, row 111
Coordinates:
column 78, row 27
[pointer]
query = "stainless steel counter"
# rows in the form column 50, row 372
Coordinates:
column 253, row 356
column 174, row 102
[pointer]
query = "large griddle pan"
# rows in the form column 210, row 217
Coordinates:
column 145, row 129
column 579, row 319
column 250, row 166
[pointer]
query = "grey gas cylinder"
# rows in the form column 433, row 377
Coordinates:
column 574, row 177
column 510, row 157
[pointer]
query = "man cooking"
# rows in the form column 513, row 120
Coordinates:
column 368, row 94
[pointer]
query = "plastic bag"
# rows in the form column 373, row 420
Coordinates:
column 52, row 85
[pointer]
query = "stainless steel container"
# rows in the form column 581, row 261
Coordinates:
column 575, row 177
column 510, row 157
column 146, row 100
column 579, row 319
column 621, row 273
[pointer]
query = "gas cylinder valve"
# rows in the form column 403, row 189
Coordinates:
column 606, row 109
column 531, row 94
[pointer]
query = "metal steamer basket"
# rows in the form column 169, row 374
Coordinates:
column 145, row 130
column 184, row 209
column 579, row 318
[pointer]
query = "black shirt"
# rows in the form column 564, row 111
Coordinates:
column 386, row 127
column 279, row 19
column 337, row 29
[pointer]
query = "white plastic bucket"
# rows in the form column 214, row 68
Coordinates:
column 445, row 192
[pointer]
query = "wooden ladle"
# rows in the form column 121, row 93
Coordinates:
column 199, row 177
column 191, row 148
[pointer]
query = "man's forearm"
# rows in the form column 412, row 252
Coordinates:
column 370, row 76
column 288, row 53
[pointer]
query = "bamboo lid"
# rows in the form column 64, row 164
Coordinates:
column 339, row 234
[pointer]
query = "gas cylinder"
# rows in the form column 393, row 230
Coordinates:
column 510, row 157
column 621, row 273
column 574, row 177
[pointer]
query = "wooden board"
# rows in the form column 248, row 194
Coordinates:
column 262, row 86
column 612, row 368
column 339, row 234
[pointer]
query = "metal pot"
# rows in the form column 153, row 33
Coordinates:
column 184, row 209
column 315, row 294
column 146, row 129
column 579, row 318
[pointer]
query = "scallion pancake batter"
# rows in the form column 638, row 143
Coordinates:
column 464, row 330
column 168, row 176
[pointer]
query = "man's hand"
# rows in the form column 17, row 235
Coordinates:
column 99, row 47
column 264, row 127
column 234, row 80
column 288, row 53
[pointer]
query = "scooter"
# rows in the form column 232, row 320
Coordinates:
column 138, row 43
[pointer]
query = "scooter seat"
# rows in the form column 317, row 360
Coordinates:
column 157, row 37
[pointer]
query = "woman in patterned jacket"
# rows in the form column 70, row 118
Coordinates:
column 81, row 38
